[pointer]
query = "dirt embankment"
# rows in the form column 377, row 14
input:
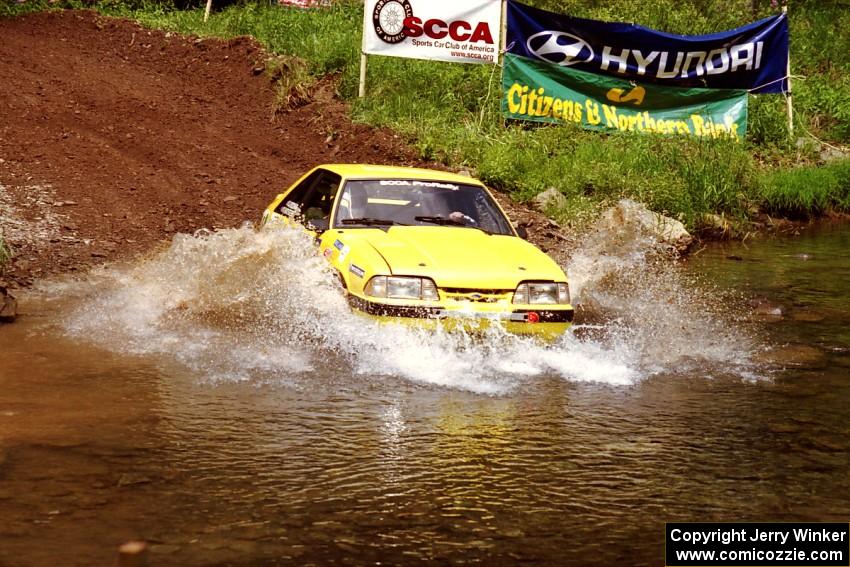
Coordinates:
column 114, row 137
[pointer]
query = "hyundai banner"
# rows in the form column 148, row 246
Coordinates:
column 542, row 92
column 752, row 57
column 442, row 30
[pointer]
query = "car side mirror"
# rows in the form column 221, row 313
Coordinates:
column 318, row 225
column 522, row 232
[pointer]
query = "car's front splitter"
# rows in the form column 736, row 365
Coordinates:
column 402, row 311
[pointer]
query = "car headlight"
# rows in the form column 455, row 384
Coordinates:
column 402, row 287
column 542, row 293
column 563, row 293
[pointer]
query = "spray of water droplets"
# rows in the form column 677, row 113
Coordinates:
column 240, row 304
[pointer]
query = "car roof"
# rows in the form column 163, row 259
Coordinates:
column 366, row 171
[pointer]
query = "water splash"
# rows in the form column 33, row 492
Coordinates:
column 629, row 281
column 239, row 304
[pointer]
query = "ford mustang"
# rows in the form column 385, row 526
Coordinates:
column 428, row 247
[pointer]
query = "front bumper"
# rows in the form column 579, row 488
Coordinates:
column 548, row 321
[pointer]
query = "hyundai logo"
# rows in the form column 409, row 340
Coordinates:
column 560, row 48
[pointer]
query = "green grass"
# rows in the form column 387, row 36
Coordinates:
column 807, row 191
column 450, row 112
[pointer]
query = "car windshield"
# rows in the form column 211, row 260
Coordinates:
column 388, row 202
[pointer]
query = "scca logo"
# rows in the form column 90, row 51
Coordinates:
column 458, row 30
column 388, row 18
column 394, row 22
column 560, row 48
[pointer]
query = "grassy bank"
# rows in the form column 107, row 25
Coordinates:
column 450, row 112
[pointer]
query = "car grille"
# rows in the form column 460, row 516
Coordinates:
column 478, row 295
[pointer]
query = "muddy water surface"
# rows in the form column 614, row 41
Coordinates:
column 263, row 424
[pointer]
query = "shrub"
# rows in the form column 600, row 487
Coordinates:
column 5, row 252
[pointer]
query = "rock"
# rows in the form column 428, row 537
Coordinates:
column 807, row 316
column 242, row 548
column 633, row 217
column 133, row 554
column 550, row 198
column 716, row 223
column 831, row 154
column 783, row 428
column 164, row 548
column 131, row 479
column 800, row 356
column 824, row 444
column 229, row 199
column 806, row 144
column 8, row 306
column 765, row 309
column 347, row 545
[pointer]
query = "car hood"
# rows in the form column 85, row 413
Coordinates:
column 458, row 257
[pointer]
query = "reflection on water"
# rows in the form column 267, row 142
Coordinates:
column 160, row 416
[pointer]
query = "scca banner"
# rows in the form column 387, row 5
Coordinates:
column 752, row 57
column 443, row 30
column 543, row 92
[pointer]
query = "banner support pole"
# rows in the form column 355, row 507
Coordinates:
column 789, row 105
column 503, row 47
column 361, row 89
column 503, row 33
column 361, row 92
column 207, row 11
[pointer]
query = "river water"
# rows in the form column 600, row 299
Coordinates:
column 218, row 400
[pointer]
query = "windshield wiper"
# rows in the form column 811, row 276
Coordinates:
column 443, row 221
column 369, row 221
column 440, row 220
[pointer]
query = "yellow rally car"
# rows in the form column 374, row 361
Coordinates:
column 428, row 247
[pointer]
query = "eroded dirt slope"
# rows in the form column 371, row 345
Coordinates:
column 114, row 137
